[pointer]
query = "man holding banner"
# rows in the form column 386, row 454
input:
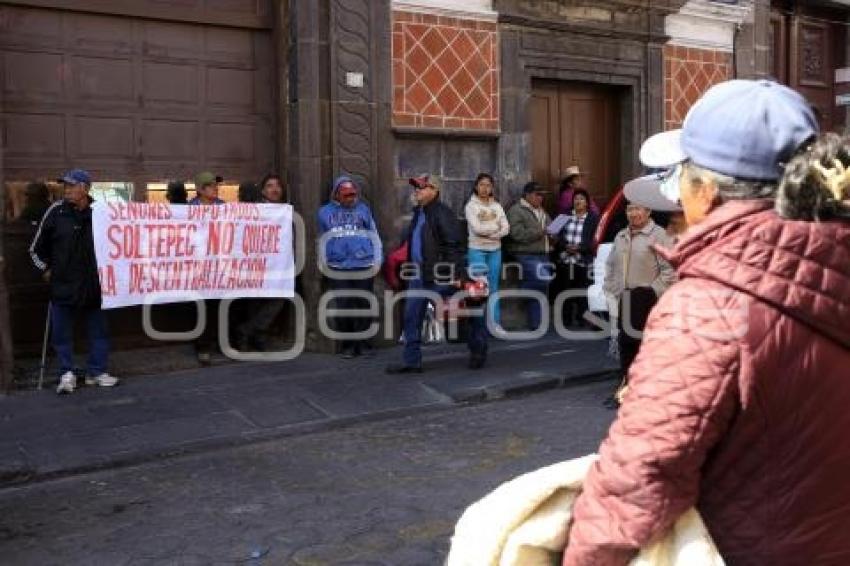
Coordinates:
column 252, row 333
column 63, row 249
column 206, row 187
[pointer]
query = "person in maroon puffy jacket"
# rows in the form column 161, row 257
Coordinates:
column 738, row 399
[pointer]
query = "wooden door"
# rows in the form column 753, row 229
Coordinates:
column 806, row 46
column 576, row 124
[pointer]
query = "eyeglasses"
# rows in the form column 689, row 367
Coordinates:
column 422, row 187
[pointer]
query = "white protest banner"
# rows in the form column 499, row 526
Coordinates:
column 163, row 253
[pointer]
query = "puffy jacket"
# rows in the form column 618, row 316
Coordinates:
column 527, row 235
column 63, row 244
column 441, row 242
column 349, row 245
column 739, row 401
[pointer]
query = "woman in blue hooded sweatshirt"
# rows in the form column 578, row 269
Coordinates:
column 352, row 253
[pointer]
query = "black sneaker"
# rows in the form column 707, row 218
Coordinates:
column 348, row 353
column 477, row 361
column 401, row 368
column 366, row 350
column 204, row 357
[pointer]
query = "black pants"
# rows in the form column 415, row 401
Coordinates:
column 635, row 305
column 573, row 277
column 208, row 340
column 351, row 324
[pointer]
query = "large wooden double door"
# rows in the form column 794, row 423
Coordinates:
column 576, row 124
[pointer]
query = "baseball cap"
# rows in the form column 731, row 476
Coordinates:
column 75, row 176
column 533, row 187
column 741, row 128
column 423, row 181
column 206, row 178
column 647, row 191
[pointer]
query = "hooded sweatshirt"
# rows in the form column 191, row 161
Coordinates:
column 486, row 222
column 353, row 242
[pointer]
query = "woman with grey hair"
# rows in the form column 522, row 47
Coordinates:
column 738, row 399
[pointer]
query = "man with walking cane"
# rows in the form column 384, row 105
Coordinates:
column 63, row 249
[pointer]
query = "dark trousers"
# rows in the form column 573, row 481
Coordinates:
column 573, row 277
column 635, row 305
column 414, row 316
column 259, row 315
column 62, row 338
column 208, row 340
column 351, row 324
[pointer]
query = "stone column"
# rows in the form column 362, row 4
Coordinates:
column 338, row 114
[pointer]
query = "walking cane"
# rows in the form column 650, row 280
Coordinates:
column 44, row 347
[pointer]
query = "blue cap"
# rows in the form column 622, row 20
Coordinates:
column 75, row 176
column 740, row 128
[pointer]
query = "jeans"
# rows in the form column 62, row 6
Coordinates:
column 536, row 274
column 489, row 263
column 62, row 325
column 414, row 315
column 351, row 324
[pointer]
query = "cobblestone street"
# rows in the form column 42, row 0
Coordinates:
column 387, row 492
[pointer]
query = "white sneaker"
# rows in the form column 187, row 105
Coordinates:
column 67, row 383
column 102, row 380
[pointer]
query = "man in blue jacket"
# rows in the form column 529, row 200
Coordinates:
column 352, row 252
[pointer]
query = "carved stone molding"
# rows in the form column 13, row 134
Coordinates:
column 357, row 27
column 707, row 25
column 813, row 50
column 468, row 9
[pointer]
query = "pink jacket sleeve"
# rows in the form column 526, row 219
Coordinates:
column 683, row 394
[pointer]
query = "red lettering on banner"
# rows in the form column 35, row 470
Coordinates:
column 107, row 281
column 112, row 234
column 261, row 239
column 137, row 277
column 221, row 238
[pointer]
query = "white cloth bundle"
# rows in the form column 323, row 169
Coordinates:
column 524, row 522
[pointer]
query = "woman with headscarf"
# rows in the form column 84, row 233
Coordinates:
column 738, row 398
column 487, row 225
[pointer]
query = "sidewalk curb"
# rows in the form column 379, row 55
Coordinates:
column 11, row 477
column 544, row 382
column 22, row 475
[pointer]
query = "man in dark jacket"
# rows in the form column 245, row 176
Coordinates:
column 206, row 187
column 63, row 249
column 436, row 264
column 261, row 313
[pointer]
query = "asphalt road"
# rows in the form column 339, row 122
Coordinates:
column 382, row 493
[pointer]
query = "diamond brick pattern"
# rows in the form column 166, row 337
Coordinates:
column 688, row 73
column 445, row 72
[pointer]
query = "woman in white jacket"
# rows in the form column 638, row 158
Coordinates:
column 487, row 225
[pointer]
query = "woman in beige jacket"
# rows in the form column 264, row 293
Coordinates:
column 487, row 225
